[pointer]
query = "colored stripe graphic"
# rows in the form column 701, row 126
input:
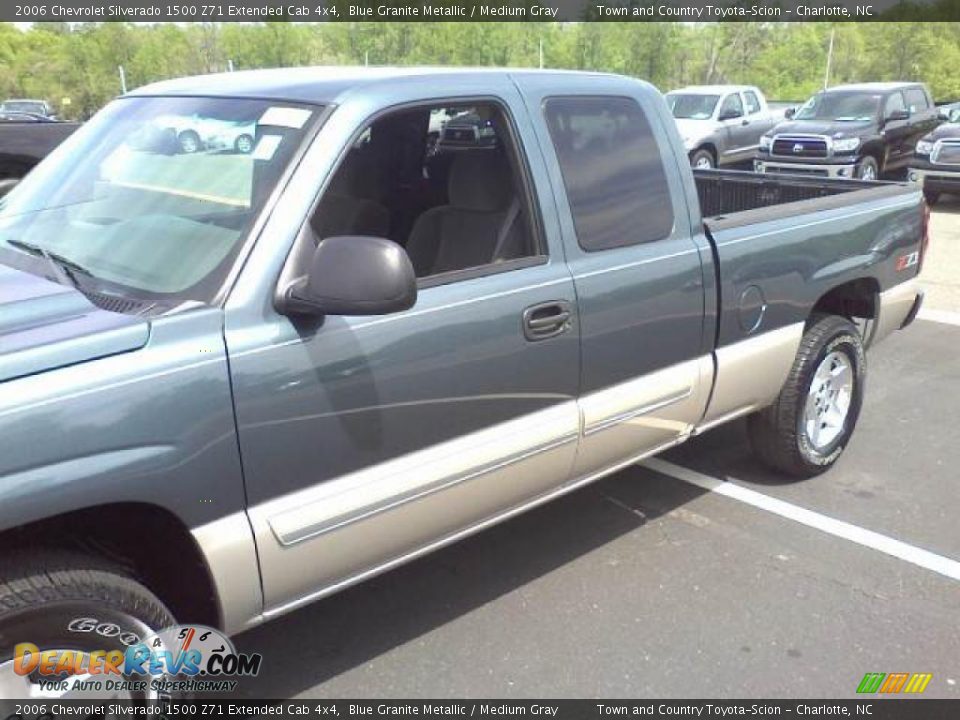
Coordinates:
column 894, row 682
column 871, row 682
column 918, row 682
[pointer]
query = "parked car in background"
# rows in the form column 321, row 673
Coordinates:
column 936, row 160
column 31, row 107
column 194, row 134
column 26, row 139
column 853, row 131
column 354, row 390
column 720, row 124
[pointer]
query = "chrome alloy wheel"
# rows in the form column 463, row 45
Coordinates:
column 828, row 400
column 703, row 163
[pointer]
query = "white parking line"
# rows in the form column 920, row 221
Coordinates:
column 887, row 545
column 940, row 316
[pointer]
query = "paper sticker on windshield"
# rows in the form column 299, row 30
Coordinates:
column 267, row 147
column 288, row 117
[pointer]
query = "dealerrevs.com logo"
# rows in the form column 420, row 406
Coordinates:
column 181, row 658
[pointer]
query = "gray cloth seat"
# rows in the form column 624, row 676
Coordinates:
column 466, row 232
column 348, row 209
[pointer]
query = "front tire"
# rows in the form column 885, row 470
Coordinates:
column 702, row 160
column 65, row 601
column 808, row 427
column 868, row 169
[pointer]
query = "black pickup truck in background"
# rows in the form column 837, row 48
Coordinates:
column 853, row 131
column 25, row 140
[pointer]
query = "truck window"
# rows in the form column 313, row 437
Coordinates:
column 612, row 170
column 447, row 183
column 916, row 99
column 732, row 106
column 894, row 102
column 753, row 103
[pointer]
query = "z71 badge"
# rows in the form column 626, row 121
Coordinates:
column 907, row 261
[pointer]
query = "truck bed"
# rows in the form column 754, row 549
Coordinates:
column 736, row 197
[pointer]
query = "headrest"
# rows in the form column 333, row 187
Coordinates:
column 356, row 178
column 480, row 180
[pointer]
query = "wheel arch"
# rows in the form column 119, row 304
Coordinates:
column 857, row 300
column 148, row 541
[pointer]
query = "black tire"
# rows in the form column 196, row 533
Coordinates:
column 702, row 158
column 777, row 433
column 868, row 168
column 188, row 142
column 44, row 595
column 931, row 197
column 244, row 144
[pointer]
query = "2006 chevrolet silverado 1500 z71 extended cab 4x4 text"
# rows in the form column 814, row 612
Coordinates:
column 234, row 383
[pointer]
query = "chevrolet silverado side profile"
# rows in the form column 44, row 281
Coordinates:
column 852, row 131
column 721, row 124
column 232, row 384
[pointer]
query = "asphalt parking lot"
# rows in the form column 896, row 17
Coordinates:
column 698, row 574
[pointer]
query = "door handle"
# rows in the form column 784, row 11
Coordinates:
column 547, row 320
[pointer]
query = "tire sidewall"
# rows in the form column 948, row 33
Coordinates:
column 869, row 160
column 846, row 341
column 702, row 153
column 57, row 624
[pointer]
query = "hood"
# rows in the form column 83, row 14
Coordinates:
column 833, row 128
column 695, row 129
column 947, row 131
column 45, row 325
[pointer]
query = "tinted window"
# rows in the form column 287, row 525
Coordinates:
column 612, row 170
column 732, row 106
column 916, row 99
column 753, row 104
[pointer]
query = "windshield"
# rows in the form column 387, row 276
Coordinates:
column 154, row 196
column 686, row 106
column 840, row 107
column 25, row 106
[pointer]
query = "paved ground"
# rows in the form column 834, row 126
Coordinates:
column 649, row 585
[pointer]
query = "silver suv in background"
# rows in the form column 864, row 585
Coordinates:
column 721, row 124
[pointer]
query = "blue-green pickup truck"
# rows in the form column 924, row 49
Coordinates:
column 233, row 382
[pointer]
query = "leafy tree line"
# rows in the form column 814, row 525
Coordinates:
column 787, row 60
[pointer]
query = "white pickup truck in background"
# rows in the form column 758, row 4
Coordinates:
column 721, row 124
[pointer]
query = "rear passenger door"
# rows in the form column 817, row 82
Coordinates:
column 645, row 362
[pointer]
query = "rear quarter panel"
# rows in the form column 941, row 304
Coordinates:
column 789, row 262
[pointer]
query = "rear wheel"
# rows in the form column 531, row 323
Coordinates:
column 867, row 168
column 702, row 160
column 243, row 144
column 64, row 601
column 931, row 196
column 808, row 427
column 189, row 142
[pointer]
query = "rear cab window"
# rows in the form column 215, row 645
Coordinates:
column 612, row 170
column 753, row 103
column 916, row 99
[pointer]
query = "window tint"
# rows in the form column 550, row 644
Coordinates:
column 732, row 105
column 894, row 103
column 753, row 103
column 916, row 99
column 612, row 170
